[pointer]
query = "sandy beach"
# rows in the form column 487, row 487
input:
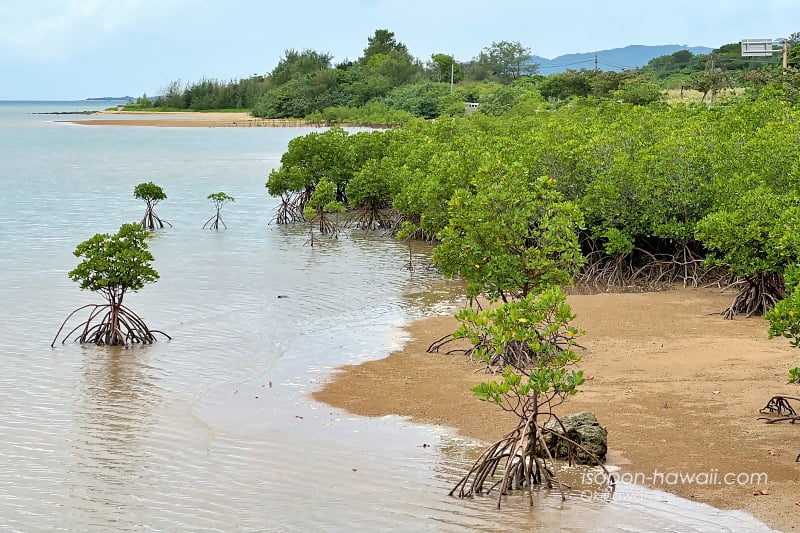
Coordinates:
column 678, row 388
column 186, row 119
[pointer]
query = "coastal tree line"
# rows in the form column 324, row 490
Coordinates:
column 386, row 84
column 385, row 76
column 661, row 190
column 642, row 195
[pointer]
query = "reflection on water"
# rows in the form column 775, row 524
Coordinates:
column 113, row 417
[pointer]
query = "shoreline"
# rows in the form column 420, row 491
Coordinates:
column 188, row 119
column 678, row 388
column 198, row 119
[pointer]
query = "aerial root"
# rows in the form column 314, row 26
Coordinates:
column 438, row 344
column 781, row 408
column 648, row 270
column 214, row 222
column 524, row 460
column 109, row 325
column 758, row 295
column 151, row 221
column 372, row 218
column 290, row 209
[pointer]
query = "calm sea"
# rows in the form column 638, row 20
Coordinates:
column 188, row 435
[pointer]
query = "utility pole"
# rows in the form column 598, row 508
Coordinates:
column 452, row 70
column 785, row 54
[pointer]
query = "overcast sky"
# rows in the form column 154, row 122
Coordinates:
column 75, row 49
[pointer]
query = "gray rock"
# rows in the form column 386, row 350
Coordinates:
column 582, row 428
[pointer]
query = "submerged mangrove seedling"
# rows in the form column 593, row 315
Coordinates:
column 112, row 265
column 151, row 194
column 218, row 199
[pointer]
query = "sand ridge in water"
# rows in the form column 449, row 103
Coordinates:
column 186, row 119
column 678, row 387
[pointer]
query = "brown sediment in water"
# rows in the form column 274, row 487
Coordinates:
column 678, row 387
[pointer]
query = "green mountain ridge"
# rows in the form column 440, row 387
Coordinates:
column 616, row 59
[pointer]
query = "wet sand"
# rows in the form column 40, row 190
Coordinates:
column 678, row 387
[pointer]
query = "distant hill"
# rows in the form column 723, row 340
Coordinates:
column 630, row 57
column 109, row 98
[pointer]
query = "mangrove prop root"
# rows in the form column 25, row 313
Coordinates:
column 372, row 218
column 758, row 294
column 108, row 325
column 782, row 410
column 647, row 270
column 151, row 221
column 290, row 209
column 214, row 222
column 437, row 345
column 791, row 419
column 780, row 405
column 524, row 460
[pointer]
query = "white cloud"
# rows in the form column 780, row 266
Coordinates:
column 51, row 30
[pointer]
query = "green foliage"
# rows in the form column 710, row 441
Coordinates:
column 507, row 97
column 533, row 338
column 672, row 64
column 638, row 92
column 566, row 84
column 115, row 264
column 210, row 94
column 323, row 200
column 149, row 192
column 784, row 318
column 726, row 63
column 311, row 158
column 755, row 233
column 444, row 68
column 420, row 99
column 372, row 114
column 296, row 64
column 374, row 186
column 794, row 375
column 322, row 204
column 431, row 161
column 509, row 234
column 395, row 68
column 144, row 101
column 504, row 61
column 383, row 42
column 583, row 83
column 219, row 199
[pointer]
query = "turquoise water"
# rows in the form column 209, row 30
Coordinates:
column 188, row 435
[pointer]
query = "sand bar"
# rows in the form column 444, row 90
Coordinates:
column 186, row 120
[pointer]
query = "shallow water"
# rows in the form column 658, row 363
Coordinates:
column 215, row 430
